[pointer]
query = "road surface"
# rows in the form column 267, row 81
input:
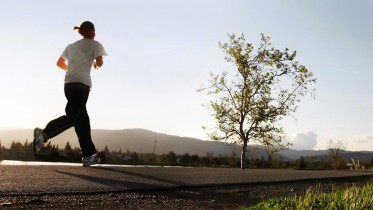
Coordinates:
column 37, row 178
column 41, row 185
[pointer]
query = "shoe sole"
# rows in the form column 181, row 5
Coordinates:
column 34, row 143
column 87, row 164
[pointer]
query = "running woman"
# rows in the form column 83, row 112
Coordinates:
column 77, row 60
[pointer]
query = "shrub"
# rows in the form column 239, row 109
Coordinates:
column 351, row 198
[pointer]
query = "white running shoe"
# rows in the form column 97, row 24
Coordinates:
column 88, row 161
column 39, row 140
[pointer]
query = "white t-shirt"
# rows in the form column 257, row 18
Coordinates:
column 80, row 56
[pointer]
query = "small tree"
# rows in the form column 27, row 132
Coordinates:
column 335, row 151
column 134, row 158
column 107, row 151
column 26, row 144
column 48, row 145
column 185, row 159
column 301, row 163
column 194, row 160
column 171, row 158
column 16, row 145
column 264, row 88
column 68, row 146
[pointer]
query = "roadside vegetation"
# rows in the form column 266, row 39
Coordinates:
column 351, row 198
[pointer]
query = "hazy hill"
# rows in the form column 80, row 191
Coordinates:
column 135, row 140
column 296, row 154
column 140, row 140
column 363, row 156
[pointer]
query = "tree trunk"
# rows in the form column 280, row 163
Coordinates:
column 243, row 155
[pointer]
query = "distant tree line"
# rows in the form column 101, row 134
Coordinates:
column 316, row 163
column 50, row 152
column 333, row 161
column 23, row 151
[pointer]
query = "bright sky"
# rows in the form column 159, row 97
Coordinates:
column 161, row 52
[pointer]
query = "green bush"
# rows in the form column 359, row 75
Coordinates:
column 351, row 198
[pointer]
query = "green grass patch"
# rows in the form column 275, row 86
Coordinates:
column 353, row 198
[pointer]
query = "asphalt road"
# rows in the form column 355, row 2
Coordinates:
column 25, row 178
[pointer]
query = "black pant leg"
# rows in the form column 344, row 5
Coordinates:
column 57, row 126
column 83, row 131
column 76, row 115
column 73, row 95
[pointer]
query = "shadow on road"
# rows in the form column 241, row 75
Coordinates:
column 155, row 178
column 112, row 182
column 118, row 183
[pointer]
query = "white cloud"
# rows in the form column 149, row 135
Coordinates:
column 370, row 137
column 362, row 141
column 304, row 140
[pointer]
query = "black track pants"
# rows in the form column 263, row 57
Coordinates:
column 77, row 116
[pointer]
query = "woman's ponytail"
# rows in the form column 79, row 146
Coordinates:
column 86, row 29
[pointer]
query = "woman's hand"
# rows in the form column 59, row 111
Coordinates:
column 99, row 62
column 61, row 63
column 95, row 65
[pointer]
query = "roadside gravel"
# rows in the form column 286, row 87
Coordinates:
column 205, row 197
